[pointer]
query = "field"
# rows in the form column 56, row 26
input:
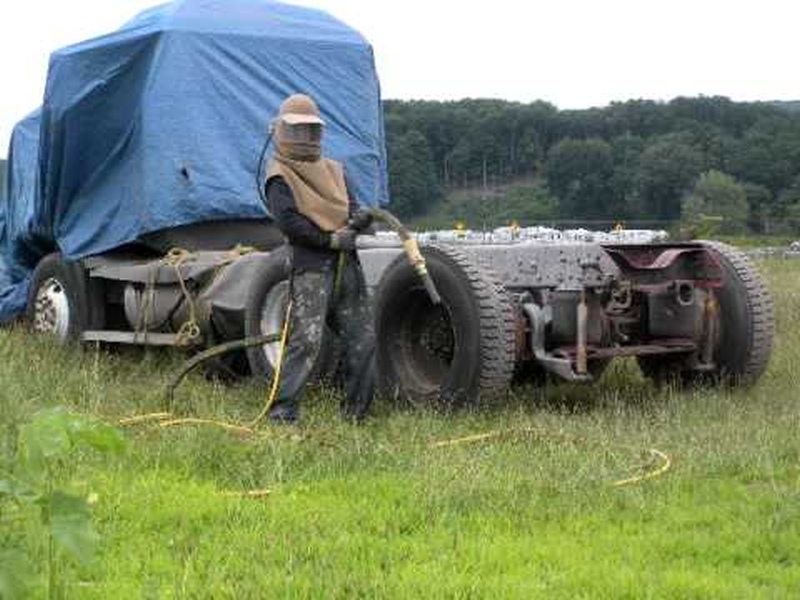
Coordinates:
column 375, row 511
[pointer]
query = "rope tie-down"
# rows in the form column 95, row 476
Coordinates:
column 189, row 331
column 177, row 258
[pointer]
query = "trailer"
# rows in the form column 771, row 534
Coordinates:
column 133, row 218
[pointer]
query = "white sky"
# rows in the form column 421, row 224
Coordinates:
column 573, row 53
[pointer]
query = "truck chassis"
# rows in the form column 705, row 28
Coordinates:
column 512, row 308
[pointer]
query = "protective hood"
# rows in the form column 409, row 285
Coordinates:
column 298, row 129
column 317, row 184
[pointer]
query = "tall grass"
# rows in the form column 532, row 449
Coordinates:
column 374, row 511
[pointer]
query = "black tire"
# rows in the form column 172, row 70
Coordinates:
column 274, row 272
column 746, row 329
column 446, row 356
column 53, row 278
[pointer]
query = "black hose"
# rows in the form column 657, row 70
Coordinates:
column 260, row 172
column 219, row 350
column 418, row 261
column 392, row 222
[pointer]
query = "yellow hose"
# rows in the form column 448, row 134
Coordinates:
column 666, row 462
column 164, row 418
column 665, row 466
column 276, row 377
column 470, row 439
column 190, row 421
column 137, row 419
column 252, row 494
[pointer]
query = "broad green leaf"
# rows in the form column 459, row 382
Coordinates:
column 55, row 432
column 96, row 435
column 42, row 440
column 16, row 575
column 71, row 525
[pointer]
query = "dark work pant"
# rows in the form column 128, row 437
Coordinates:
column 317, row 300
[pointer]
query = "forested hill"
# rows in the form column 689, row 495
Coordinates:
column 635, row 161
column 631, row 160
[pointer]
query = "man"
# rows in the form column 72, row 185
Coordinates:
column 308, row 198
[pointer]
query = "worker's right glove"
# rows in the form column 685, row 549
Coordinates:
column 344, row 239
column 361, row 220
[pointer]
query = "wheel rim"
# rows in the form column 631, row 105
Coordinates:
column 424, row 344
column 51, row 309
column 272, row 318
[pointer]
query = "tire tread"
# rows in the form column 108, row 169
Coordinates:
column 761, row 308
column 497, row 323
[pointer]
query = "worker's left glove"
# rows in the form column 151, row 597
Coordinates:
column 344, row 239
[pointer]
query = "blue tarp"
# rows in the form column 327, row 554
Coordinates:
column 161, row 124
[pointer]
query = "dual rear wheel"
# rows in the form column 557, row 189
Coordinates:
column 447, row 355
column 745, row 325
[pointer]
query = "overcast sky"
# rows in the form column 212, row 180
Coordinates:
column 573, row 53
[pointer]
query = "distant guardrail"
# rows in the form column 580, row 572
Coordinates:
column 792, row 251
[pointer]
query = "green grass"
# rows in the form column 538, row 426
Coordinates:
column 375, row 512
column 758, row 241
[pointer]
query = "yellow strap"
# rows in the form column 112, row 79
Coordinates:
column 176, row 257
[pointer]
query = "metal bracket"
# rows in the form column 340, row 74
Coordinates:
column 134, row 338
column 540, row 317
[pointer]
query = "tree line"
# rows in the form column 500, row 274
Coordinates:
column 697, row 160
column 704, row 159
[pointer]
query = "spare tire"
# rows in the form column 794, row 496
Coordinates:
column 448, row 355
column 63, row 300
column 265, row 311
column 746, row 327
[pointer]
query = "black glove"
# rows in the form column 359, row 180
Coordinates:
column 344, row 239
column 361, row 220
